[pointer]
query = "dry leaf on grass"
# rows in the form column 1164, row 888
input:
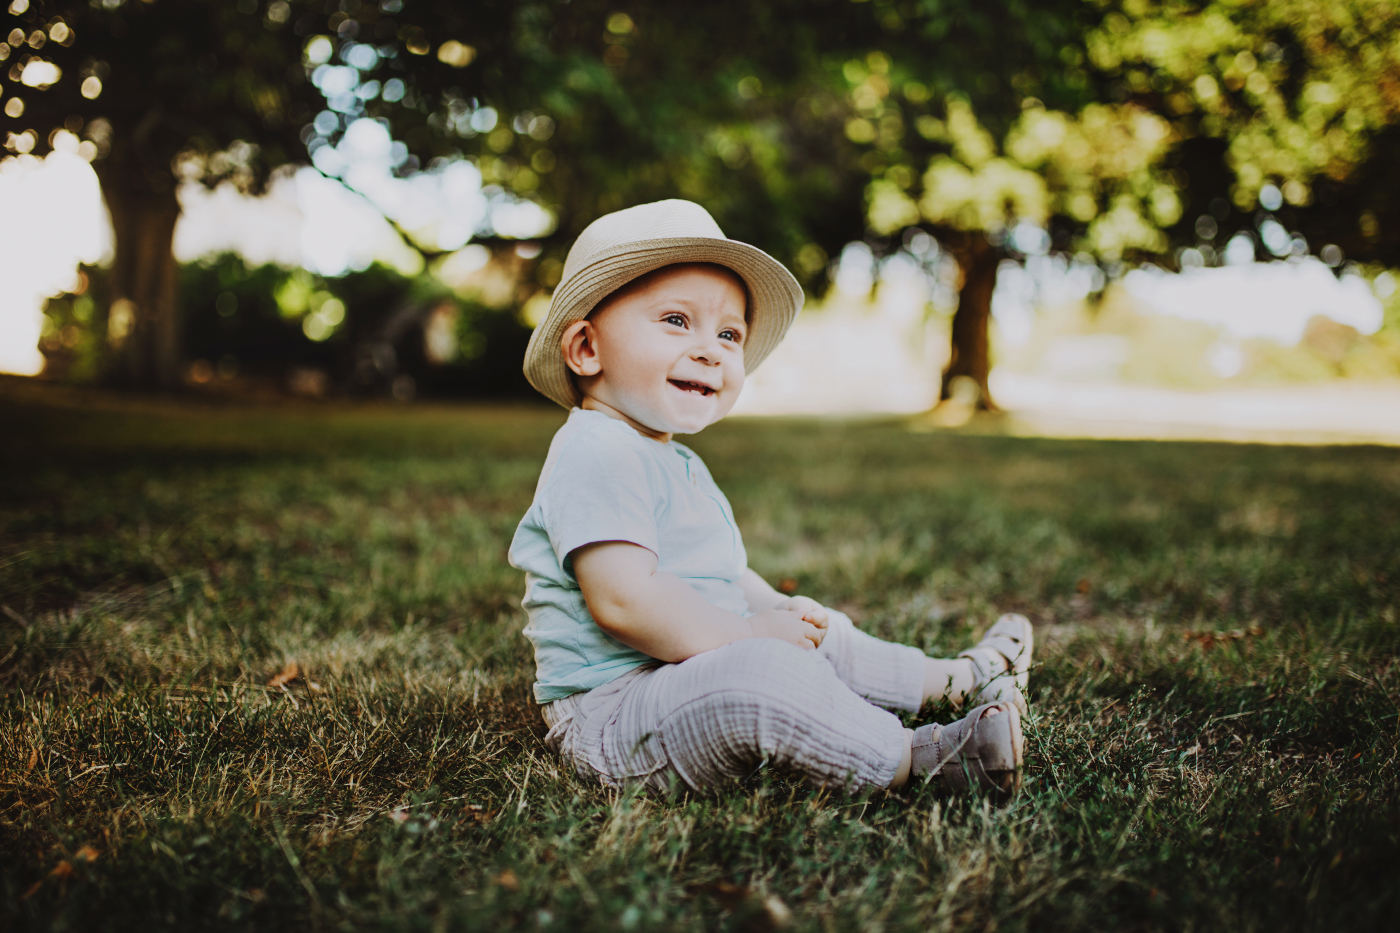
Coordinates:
column 765, row 912
column 62, row 871
column 1209, row 640
column 477, row 813
column 288, row 674
column 508, row 880
column 33, row 759
column 728, row 894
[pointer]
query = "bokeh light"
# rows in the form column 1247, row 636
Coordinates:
column 329, row 219
column 56, row 220
column 1271, row 300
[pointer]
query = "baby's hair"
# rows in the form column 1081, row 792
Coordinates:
column 642, row 280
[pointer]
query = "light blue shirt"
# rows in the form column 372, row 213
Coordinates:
column 603, row 481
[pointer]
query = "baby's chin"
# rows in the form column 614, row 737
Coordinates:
column 677, row 422
column 682, row 416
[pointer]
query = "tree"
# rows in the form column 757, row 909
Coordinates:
column 1295, row 100
column 745, row 107
column 582, row 107
column 152, row 87
column 1198, row 114
column 1097, row 170
column 853, row 83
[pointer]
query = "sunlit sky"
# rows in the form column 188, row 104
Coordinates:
column 886, row 355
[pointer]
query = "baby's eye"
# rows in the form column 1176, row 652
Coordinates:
column 676, row 319
column 731, row 334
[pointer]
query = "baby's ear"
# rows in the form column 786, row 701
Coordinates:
column 580, row 347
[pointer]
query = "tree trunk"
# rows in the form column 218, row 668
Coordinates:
column 977, row 261
column 144, row 318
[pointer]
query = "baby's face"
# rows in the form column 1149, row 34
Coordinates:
column 670, row 352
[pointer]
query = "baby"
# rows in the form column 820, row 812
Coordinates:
column 661, row 658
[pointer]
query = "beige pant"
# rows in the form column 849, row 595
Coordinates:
column 716, row 717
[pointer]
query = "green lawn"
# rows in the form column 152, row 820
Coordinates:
column 161, row 562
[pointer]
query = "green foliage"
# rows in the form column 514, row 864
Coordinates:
column 1300, row 95
column 775, row 115
column 1387, row 285
column 158, row 81
column 1192, row 101
column 233, row 311
column 1098, row 170
column 159, row 563
column 74, row 339
column 264, row 321
column 363, row 328
column 1296, row 86
column 737, row 105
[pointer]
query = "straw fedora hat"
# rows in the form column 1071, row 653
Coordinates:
column 617, row 248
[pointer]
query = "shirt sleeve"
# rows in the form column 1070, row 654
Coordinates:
column 602, row 489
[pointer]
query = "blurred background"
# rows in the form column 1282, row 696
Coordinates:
column 1078, row 217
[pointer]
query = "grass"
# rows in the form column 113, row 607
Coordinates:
column 160, row 563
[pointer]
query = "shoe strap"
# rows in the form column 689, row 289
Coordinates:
column 1007, row 646
column 945, row 747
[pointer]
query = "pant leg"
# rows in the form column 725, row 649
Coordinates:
column 714, row 718
column 885, row 673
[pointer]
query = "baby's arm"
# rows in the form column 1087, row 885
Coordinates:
column 661, row 615
column 762, row 596
column 759, row 594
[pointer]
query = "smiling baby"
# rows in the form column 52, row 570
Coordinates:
column 661, row 658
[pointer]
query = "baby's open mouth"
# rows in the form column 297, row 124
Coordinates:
column 692, row 387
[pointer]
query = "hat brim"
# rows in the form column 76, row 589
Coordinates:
column 774, row 296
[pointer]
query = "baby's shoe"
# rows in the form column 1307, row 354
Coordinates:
column 984, row 749
column 1001, row 660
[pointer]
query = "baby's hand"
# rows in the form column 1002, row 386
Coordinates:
column 788, row 626
column 808, row 609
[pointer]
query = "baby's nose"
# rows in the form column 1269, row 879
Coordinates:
column 707, row 351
